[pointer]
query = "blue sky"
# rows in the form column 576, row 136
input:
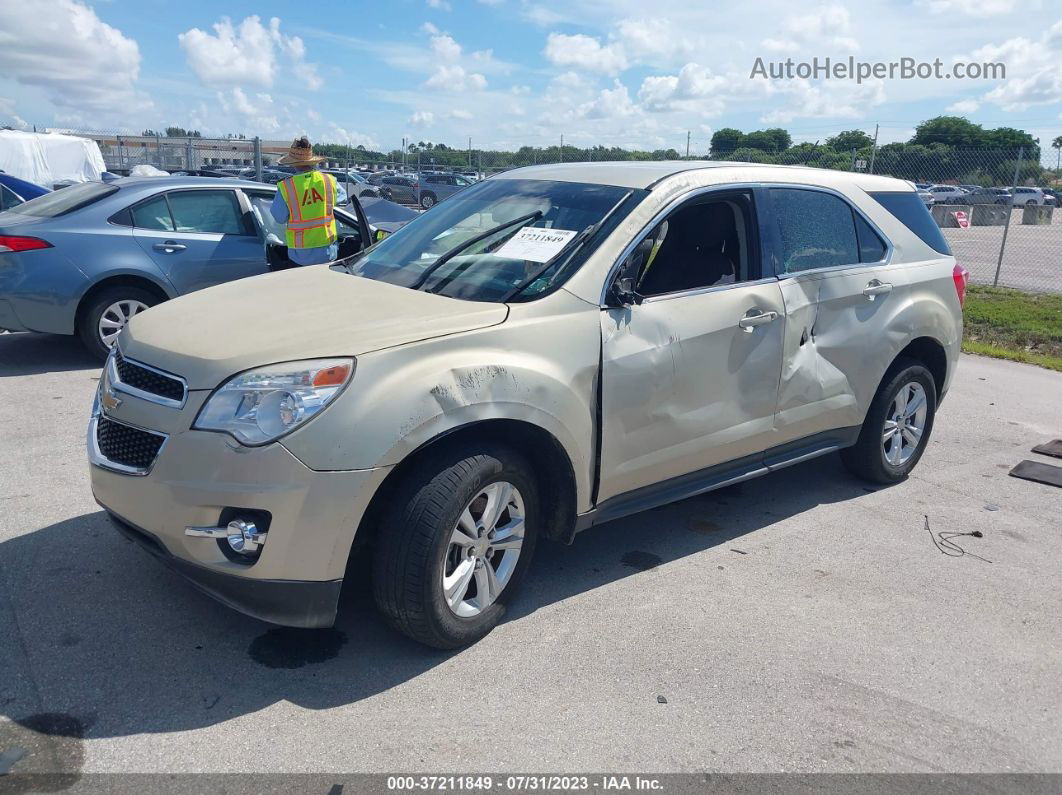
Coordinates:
column 512, row 72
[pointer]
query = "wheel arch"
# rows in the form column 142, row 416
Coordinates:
column 930, row 352
column 118, row 280
column 548, row 458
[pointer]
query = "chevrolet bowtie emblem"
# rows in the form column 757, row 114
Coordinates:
column 110, row 401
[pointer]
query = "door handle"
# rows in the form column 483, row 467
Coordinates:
column 875, row 288
column 755, row 317
column 169, row 247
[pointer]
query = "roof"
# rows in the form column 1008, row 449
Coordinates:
column 646, row 173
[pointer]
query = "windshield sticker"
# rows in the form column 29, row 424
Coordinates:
column 535, row 244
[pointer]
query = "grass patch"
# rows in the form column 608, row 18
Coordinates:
column 1011, row 324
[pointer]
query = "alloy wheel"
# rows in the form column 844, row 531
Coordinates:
column 115, row 317
column 483, row 549
column 905, row 424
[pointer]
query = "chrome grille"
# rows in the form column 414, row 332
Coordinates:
column 146, row 382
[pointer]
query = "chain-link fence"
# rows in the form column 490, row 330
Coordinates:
column 996, row 207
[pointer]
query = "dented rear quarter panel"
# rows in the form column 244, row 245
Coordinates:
column 539, row 366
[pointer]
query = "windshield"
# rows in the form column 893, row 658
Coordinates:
column 496, row 251
column 65, row 200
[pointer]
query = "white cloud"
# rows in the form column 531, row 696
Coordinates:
column 982, row 8
column 1032, row 70
column 339, row 135
column 79, row 61
column 827, row 100
column 429, row 28
column 694, row 88
column 652, row 39
column 422, row 118
column 441, row 5
column 964, row 106
column 459, row 114
column 454, row 77
column 246, row 55
column 611, row 103
column 445, row 47
column 829, row 26
column 257, row 114
column 8, row 117
column 585, row 52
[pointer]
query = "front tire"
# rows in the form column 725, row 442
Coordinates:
column 427, row 201
column 456, row 545
column 107, row 313
column 897, row 426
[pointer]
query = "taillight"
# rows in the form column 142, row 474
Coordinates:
column 961, row 277
column 18, row 243
column 416, row 186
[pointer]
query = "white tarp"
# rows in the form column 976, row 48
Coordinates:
column 22, row 156
column 47, row 158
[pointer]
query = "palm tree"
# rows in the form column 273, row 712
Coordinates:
column 1057, row 144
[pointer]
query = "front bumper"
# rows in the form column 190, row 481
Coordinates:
column 293, row 603
column 197, row 476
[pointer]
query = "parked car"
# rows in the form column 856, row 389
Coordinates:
column 430, row 189
column 86, row 259
column 202, row 172
column 1025, row 196
column 923, row 194
column 1052, row 197
column 398, row 188
column 359, row 186
column 988, row 196
column 15, row 191
column 440, row 402
column 969, row 188
column 948, row 194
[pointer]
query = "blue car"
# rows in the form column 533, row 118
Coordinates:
column 85, row 259
column 15, row 191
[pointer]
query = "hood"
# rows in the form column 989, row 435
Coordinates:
column 302, row 313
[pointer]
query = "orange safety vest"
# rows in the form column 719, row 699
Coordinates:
column 310, row 196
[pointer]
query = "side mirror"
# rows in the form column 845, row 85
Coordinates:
column 623, row 291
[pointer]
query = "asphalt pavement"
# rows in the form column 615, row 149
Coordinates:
column 801, row 622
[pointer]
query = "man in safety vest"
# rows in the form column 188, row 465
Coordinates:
column 304, row 202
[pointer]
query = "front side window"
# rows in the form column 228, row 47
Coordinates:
column 211, row 211
column 706, row 243
column 503, row 239
column 816, row 229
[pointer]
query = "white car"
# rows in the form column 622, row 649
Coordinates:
column 948, row 194
column 1026, row 196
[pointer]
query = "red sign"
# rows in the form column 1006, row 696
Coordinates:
column 960, row 217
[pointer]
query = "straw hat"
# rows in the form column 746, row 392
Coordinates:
column 300, row 154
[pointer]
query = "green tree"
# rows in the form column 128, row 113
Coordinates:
column 774, row 140
column 950, row 131
column 848, row 140
column 726, row 140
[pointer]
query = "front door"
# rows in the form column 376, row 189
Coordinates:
column 198, row 238
column 690, row 375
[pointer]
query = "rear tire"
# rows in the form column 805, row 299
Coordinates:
column 890, row 444
column 424, row 555
column 427, row 201
column 109, row 311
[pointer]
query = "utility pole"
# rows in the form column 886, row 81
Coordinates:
column 1010, row 212
column 874, row 151
column 562, row 148
column 687, row 144
column 470, row 151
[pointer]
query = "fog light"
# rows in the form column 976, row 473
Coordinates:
column 243, row 537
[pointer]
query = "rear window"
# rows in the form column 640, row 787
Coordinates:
column 912, row 213
column 65, row 200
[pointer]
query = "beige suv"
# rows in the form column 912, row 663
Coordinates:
column 550, row 349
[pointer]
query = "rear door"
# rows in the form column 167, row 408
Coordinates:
column 198, row 237
column 841, row 295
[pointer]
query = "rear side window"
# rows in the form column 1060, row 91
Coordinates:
column 65, row 200
column 816, row 229
column 912, row 213
column 871, row 246
column 153, row 214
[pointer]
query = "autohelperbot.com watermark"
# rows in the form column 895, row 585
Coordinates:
column 850, row 69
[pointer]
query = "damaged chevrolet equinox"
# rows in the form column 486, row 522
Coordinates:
column 553, row 348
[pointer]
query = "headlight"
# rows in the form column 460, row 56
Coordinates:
column 260, row 406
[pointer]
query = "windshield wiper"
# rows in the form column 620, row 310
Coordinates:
column 449, row 255
column 573, row 245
